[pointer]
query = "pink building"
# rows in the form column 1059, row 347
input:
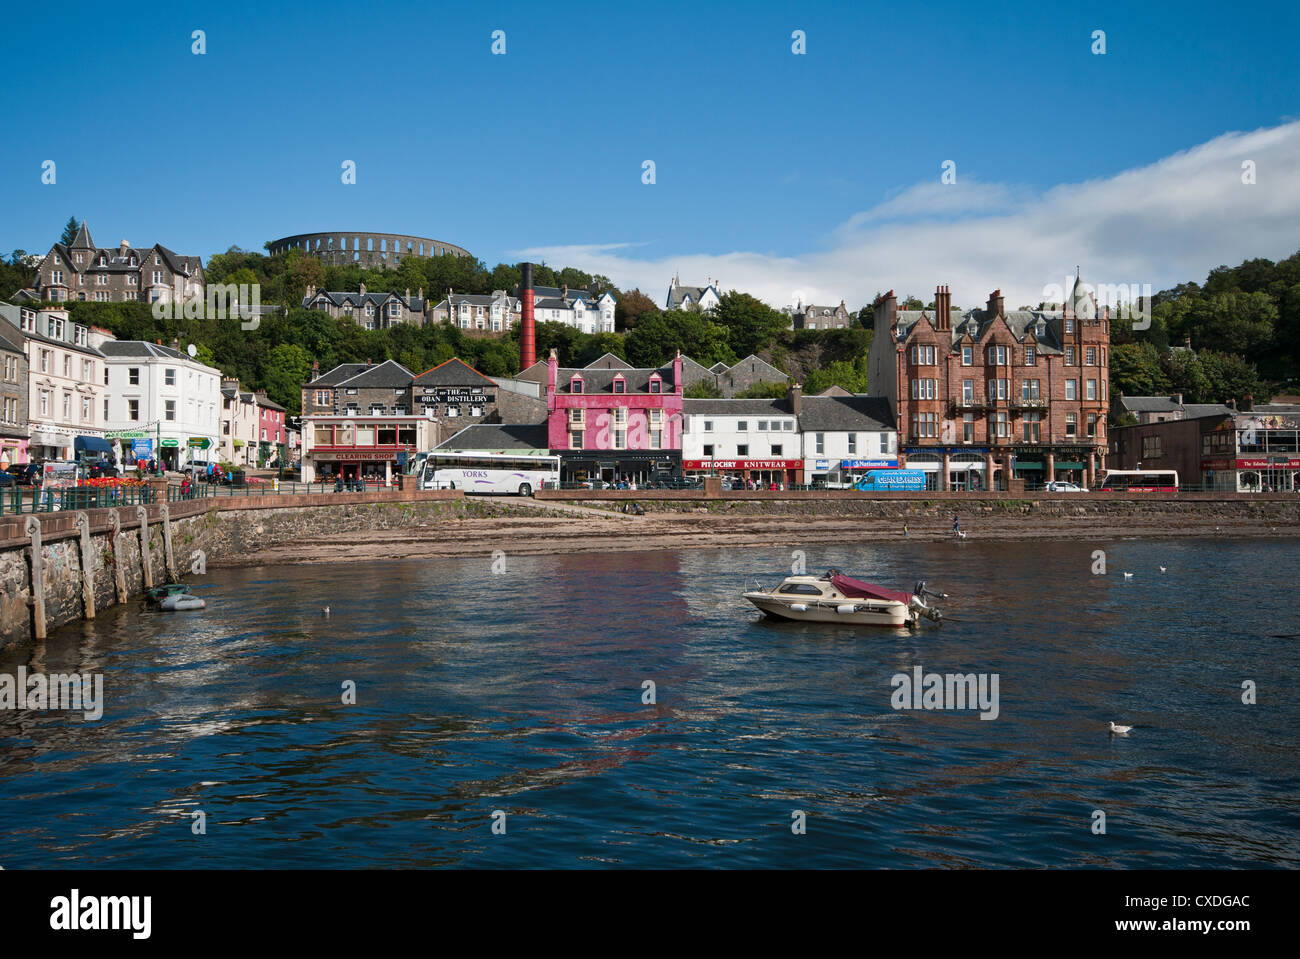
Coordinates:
column 612, row 422
column 272, row 438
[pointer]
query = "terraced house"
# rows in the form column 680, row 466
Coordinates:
column 994, row 397
column 371, row 311
column 83, row 271
column 479, row 313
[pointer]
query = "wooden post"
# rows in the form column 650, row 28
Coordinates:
column 142, row 513
column 82, row 522
column 38, row 579
column 169, row 556
column 119, row 571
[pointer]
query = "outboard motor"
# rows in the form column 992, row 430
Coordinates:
column 919, row 592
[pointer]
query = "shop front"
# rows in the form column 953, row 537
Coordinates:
column 373, row 451
column 13, row 451
column 849, row 473
column 617, row 467
column 1268, row 474
column 749, row 473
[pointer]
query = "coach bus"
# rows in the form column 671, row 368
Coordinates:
column 476, row 472
column 1140, row 481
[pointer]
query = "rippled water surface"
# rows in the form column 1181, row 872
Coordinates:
column 523, row 693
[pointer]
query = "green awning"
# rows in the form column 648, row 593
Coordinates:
column 1068, row 466
column 1028, row 466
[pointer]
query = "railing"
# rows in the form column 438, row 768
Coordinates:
column 35, row 499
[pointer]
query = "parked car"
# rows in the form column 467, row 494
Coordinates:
column 1062, row 487
column 102, row 468
column 25, row 474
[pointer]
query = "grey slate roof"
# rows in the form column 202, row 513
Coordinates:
column 493, row 437
column 337, row 375
column 711, row 407
column 1150, row 404
column 389, row 373
column 415, row 304
column 454, row 372
column 834, row 414
column 1193, row 411
column 140, row 348
column 602, row 381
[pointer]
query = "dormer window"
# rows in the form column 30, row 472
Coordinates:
column 575, row 385
column 620, row 385
column 656, row 384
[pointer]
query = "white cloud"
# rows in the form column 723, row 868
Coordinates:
column 1169, row 222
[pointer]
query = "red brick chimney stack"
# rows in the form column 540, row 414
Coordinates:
column 527, row 325
column 942, row 307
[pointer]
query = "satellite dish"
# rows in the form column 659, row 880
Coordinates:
column 192, row 350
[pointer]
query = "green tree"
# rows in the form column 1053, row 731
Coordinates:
column 850, row 375
column 763, row 391
column 69, row 231
column 703, row 390
column 1135, row 371
column 629, row 309
column 751, row 324
column 288, row 366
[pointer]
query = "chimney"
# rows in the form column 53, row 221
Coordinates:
column 1247, row 403
column 527, row 326
column 408, row 293
column 315, row 369
column 367, row 361
column 942, row 308
column 363, row 289
column 796, row 398
column 552, row 372
column 995, row 304
column 1177, row 398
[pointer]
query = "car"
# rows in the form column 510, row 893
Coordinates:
column 102, row 468
column 1062, row 487
column 26, row 474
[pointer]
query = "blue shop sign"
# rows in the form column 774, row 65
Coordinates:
column 142, row 449
column 870, row 464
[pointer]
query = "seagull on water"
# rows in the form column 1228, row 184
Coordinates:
column 325, row 610
column 1128, row 575
column 1120, row 730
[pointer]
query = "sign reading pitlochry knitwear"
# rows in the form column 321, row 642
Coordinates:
column 743, row 464
column 869, row 464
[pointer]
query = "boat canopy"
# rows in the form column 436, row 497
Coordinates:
column 857, row 589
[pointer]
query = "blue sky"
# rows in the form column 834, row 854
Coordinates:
column 763, row 158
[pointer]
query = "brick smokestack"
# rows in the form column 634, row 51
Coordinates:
column 942, row 307
column 527, row 326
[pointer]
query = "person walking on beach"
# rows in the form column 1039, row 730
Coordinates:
column 956, row 523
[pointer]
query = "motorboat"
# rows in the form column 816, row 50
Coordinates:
column 175, row 597
column 836, row 598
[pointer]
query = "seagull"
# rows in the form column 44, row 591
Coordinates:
column 325, row 610
column 1120, row 730
column 1162, row 569
column 1128, row 575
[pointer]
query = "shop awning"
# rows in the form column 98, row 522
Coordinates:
column 1022, row 467
column 92, row 444
column 1068, row 466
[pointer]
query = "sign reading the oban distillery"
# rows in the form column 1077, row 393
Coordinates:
column 455, row 394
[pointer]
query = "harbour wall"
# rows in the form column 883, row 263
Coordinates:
column 112, row 544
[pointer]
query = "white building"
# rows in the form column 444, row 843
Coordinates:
column 845, row 436
column 755, row 440
column 164, row 395
column 796, row 439
column 472, row 311
column 65, row 383
column 584, row 310
column 702, row 298
column 241, row 423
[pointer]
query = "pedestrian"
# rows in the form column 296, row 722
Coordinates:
column 956, row 523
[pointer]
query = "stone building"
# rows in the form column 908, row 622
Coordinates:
column 811, row 317
column 371, row 311
column 988, row 396
column 477, row 313
column 370, row 250
column 83, row 271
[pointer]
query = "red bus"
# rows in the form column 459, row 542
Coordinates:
column 1140, row 481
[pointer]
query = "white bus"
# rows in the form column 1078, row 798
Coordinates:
column 476, row 472
column 1139, row 481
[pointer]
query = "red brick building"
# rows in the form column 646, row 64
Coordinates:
column 985, row 396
